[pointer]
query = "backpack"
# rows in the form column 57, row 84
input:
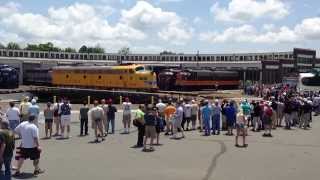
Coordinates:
column 65, row 109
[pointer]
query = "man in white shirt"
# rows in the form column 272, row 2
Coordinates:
column 160, row 107
column 187, row 115
column 30, row 147
column 13, row 116
column 126, row 115
column 97, row 115
column 194, row 113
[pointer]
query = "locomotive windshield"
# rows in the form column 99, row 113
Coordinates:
column 311, row 81
column 140, row 68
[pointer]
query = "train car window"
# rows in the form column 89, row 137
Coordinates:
column 120, row 77
column 99, row 77
column 67, row 76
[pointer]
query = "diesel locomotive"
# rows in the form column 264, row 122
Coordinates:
column 9, row 77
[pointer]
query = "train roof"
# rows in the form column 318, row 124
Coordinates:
column 121, row 67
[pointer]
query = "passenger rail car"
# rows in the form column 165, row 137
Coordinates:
column 105, row 77
column 176, row 79
column 9, row 77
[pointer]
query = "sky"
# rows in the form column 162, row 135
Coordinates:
column 151, row 26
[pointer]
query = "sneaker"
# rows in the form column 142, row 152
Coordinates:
column 39, row 171
column 17, row 174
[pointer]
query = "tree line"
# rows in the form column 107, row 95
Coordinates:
column 51, row 47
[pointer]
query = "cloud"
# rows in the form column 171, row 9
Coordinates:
column 8, row 8
column 82, row 23
column 247, row 10
column 307, row 30
column 167, row 25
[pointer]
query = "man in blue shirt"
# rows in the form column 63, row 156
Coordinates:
column 230, row 112
column 34, row 110
column 216, row 117
column 206, row 117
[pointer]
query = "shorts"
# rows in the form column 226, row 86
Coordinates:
column 48, row 120
column 240, row 126
column 150, row 131
column 158, row 129
column 230, row 123
column 13, row 124
column 267, row 120
column 126, row 118
column 28, row 153
column 97, row 120
column 193, row 118
column 65, row 120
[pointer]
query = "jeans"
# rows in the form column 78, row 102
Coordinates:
column 206, row 123
column 7, row 165
column 216, row 123
column 287, row 119
column 110, row 121
column 141, row 130
column 84, row 125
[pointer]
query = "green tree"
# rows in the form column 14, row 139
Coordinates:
column 32, row 47
column 83, row 49
column 165, row 52
column 124, row 51
column 98, row 49
column 46, row 47
column 69, row 49
column 2, row 46
column 13, row 45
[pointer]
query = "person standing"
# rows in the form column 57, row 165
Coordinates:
column 256, row 121
column 206, row 117
column 150, row 128
column 241, row 129
column 7, row 145
column 57, row 117
column 280, row 113
column 65, row 112
column 83, row 116
column 187, row 115
column 13, row 116
column 231, row 117
column 216, row 111
column 97, row 115
column 30, row 146
column 140, row 124
column 111, row 115
column 306, row 110
column 161, row 107
column 34, row 110
column 104, row 106
column 194, row 113
column 266, row 119
column 178, row 117
column 287, row 113
column 24, row 109
column 169, row 113
column 126, row 118
column 48, row 118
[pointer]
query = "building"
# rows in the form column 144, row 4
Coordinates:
column 264, row 67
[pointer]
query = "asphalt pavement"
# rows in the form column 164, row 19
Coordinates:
column 289, row 155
